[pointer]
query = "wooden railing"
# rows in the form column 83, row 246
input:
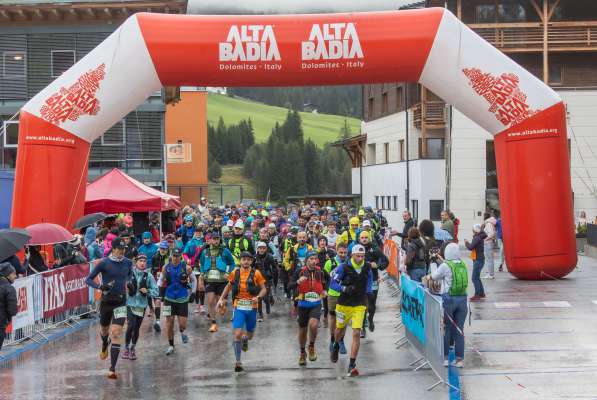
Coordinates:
column 435, row 114
column 528, row 36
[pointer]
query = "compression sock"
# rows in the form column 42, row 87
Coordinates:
column 114, row 352
column 311, row 344
column 105, row 341
column 157, row 313
column 237, row 349
column 171, row 342
column 302, row 350
column 353, row 362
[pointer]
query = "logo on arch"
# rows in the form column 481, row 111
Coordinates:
column 250, row 43
column 334, row 44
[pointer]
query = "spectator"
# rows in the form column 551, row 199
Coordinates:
column 447, row 223
column 93, row 249
column 8, row 297
column 34, row 261
column 489, row 229
column 500, row 241
column 456, row 222
column 409, row 223
column 113, row 234
column 416, row 267
column 477, row 247
column 427, row 231
column 16, row 264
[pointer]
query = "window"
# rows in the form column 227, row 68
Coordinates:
column 399, row 98
column 11, row 134
column 371, row 154
column 395, row 208
column 370, row 110
column 386, row 152
column 435, row 209
column 401, row 143
column 420, row 144
column 435, row 148
column 485, row 13
column 377, row 202
column 384, row 103
column 115, row 136
column 383, row 202
column 415, row 209
column 555, row 74
column 13, row 64
column 389, row 203
column 61, row 61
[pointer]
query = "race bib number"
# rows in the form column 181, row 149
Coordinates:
column 138, row 311
column 120, row 312
column 214, row 274
column 340, row 316
column 375, row 285
column 243, row 304
column 312, row 297
column 167, row 311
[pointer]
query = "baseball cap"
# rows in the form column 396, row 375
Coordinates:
column 272, row 226
column 176, row 252
column 239, row 224
column 246, row 254
column 366, row 223
column 215, row 234
column 311, row 254
column 230, row 223
column 261, row 244
column 163, row 245
column 358, row 249
column 188, row 218
column 118, row 243
column 361, row 212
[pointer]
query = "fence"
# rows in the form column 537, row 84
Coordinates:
column 222, row 194
column 421, row 315
column 49, row 299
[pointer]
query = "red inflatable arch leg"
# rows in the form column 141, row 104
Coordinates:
column 430, row 46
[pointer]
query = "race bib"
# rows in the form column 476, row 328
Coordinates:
column 138, row 311
column 340, row 316
column 375, row 285
column 243, row 304
column 120, row 312
column 167, row 311
column 312, row 297
column 214, row 274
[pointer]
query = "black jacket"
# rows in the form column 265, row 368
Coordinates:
column 407, row 225
column 374, row 254
column 477, row 244
column 415, row 255
column 8, row 302
column 265, row 264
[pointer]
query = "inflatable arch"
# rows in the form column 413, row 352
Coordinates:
column 430, row 46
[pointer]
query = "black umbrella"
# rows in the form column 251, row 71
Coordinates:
column 90, row 219
column 11, row 241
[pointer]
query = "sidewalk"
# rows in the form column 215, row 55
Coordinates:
column 534, row 339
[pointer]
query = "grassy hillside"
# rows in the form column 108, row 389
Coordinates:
column 231, row 175
column 321, row 128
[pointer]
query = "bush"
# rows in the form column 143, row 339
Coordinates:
column 214, row 172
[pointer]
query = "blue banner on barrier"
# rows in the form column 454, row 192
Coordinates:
column 413, row 307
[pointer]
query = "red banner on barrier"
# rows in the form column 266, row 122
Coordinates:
column 64, row 289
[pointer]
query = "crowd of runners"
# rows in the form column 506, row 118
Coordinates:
column 234, row 263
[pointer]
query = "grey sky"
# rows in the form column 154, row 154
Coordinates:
column 290, row 6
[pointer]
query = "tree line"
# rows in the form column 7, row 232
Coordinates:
column 227, row 145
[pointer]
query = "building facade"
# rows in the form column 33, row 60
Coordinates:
column 41, row 39
column 419, row 153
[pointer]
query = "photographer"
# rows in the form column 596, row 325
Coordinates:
column 176, row 278
column 453, row 278
column 140, row 289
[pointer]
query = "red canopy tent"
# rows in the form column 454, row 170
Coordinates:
column 116, row 192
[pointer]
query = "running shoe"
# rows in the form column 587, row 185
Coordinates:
column 260, row 319
column 458, row 363
column 104, row 350
column 213, row 328
column 331, row 346
column 184, row 338
column 446, row 363
column 132, row 355
column 342, row 347
column 112, row 375
column 312, row 354
column 302, row 359
column 501, row 268
column 126, row 355
column 201, row 309
column 475, row 298
column 197, row 309
column 352, row 371
column 245, row 342
column 334, row 353
column 488, row 276
column 363, row 333
column 170, row 350
column 238, row 367
column 371, row 325
column 157, row 327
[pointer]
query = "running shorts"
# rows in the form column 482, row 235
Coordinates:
column 245, row 319
column 112, row 311
column 177, row 309
column 306, row 313
column 215, row 287
column 346, row 314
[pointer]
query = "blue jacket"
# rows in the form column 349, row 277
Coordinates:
column 224, row 262
column 149, row 250
column 139, row 300
column 186, row 233
column 175, row 291
column 191, row 247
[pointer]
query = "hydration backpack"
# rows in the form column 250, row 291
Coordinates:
column 251, row 287
column 459, row 278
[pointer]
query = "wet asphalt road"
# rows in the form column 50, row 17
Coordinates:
column 69, row 368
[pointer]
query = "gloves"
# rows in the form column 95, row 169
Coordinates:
column 105, row 288
column 350, row 289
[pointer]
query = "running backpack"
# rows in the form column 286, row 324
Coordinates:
column 251, row 287
column 459, row 278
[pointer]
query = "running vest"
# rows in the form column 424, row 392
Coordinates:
column 237, row 246
column 313, row 284
column 459, row 278
column 251, row 287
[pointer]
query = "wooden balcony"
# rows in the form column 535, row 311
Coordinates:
column 528, row 36
column 435, row 115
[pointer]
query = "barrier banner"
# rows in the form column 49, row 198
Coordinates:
column 434, row 334
column 390, row 249
column 25, row 307
column 64, row 289
column 413, row 308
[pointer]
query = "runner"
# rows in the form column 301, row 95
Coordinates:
column 176, row 279
column 309, row 283
column 238, row 242
column 142, row 287
column 353, row 279
column 350, row 234
column 294, row 259
column 115, row 271
column 158, row 262
column 332, row 297
column 191, row 255
column 264, row 263
column 248, row 287
column 215, row 262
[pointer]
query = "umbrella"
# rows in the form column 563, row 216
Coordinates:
column 11, row 241
column 442, row 234
column 46, row 233
column 90, row 219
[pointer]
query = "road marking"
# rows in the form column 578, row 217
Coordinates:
column 556, row 304
column 513, row 304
